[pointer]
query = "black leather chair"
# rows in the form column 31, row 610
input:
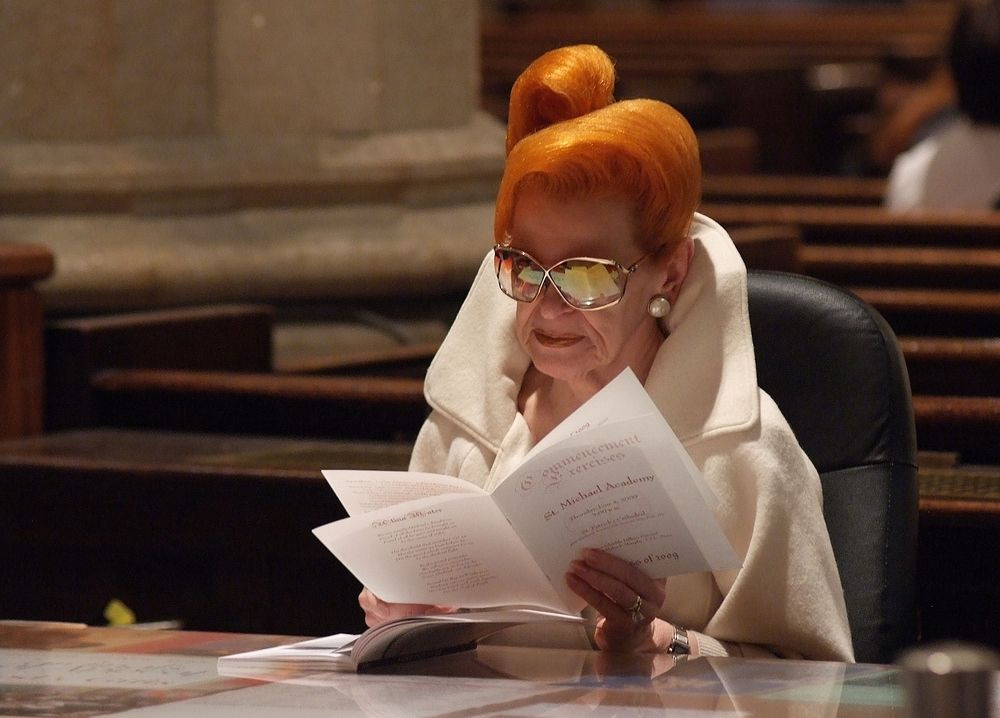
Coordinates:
column 835, row 369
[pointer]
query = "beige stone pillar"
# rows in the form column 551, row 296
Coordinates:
column 180, row 151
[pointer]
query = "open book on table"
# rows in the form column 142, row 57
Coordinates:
column 403, row 639
column 612, row 476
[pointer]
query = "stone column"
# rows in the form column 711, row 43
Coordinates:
column 182, row 151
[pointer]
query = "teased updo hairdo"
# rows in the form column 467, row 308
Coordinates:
column 567, row 137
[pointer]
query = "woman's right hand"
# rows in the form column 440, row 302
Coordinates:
column 378, row 611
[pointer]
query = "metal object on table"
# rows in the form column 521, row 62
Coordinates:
column 949, row 680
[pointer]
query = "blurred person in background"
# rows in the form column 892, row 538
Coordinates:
column 958, row 166
column 916, row 98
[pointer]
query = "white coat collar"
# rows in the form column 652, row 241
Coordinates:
column 703, row 379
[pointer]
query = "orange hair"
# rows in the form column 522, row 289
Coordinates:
column 566, row 136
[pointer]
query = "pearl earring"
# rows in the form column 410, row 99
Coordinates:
column 659, row 306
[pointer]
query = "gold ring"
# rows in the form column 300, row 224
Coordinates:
column 634, row 608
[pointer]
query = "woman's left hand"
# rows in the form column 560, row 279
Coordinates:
column 626, row 598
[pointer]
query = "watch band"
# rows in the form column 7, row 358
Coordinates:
column 680, row 646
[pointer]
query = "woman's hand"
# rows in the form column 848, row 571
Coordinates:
column 627, row 600
column 378, row 611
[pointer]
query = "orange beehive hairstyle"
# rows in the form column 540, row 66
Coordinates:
column 567, row 136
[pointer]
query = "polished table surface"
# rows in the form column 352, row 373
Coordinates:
column 73, row 670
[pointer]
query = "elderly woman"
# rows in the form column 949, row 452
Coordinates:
column 601, row 263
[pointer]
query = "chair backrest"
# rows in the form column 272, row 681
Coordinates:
column 835, row 369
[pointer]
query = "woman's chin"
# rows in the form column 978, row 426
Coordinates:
column 565, row 363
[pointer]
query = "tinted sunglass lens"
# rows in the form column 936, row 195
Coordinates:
column 587, row 284
column 519, row 276
column 528, row 278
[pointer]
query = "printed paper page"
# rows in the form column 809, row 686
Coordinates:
column 621, row 488
column 363, row 491
column 319, row 654
column 452, row 551
column 664, row 449
column 622, row 398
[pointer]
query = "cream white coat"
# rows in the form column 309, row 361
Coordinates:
column 787, row 599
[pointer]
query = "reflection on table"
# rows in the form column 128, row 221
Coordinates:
column 73, row 670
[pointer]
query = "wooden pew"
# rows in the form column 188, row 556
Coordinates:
column 218, row 496
column 959, row 581
column 914, row 271
column 403, row 361
column 22, row 363
column 183, row 479
column 935, row 277
column 729, row 151
column 223, row 337
column 939, row 267
column 866, row 226
column 210, row 369
column 967, row 425
column 944, row 290
column 791, row 189
column 747, row 66
column 666, row 40
column 208, row 529
column 936, row 312
column 344, row 407
column 929, row 273
column 948, row 366
column 956, row 385
column 776, row 247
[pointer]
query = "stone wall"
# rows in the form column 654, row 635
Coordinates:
column 190, row 151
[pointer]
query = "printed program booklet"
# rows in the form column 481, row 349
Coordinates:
column 612, row 476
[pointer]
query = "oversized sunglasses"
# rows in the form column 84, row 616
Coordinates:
column 583, row 282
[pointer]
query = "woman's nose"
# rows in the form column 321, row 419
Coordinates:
column 551, row 302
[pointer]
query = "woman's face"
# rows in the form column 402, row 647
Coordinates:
column 572, row 345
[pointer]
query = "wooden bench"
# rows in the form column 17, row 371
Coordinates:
column 967, row 425
column 649, row 41
column 403, row 361
column 957, row 574
column 791, row 189
column 223, row 337
column 948, row 366
column 929, row 273
column 343, row 407
column 210, row 369
column 776, row 247
column 920, row 290
column 941, row 312
column 212, row 530
column 935, row 277
column 729, row 151
column 742, row 66
column 22, row 361
column 956, row 385
column 895, row 266
column 865, row 226
column 215, row 531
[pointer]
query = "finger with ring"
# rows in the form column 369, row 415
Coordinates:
column 636, row 611
column 634, row 608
